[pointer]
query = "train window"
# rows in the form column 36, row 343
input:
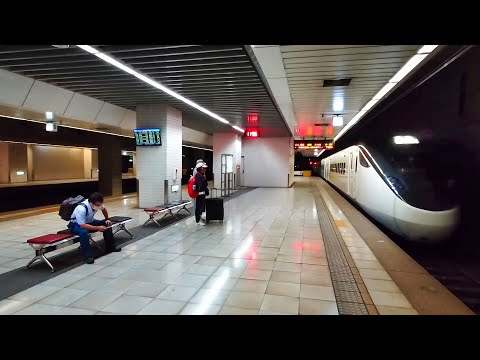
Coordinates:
column 356, row 164
column 363, row 161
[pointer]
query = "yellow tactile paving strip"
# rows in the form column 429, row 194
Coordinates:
column 383, row 292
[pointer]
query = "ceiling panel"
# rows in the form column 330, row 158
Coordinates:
column 220, row 78
column 369, row 67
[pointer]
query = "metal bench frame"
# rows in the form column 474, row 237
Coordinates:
column 167, row 209
column 42, row 249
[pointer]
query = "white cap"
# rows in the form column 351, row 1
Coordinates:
column 201, row 164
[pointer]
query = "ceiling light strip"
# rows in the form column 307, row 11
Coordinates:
column 153, row 83
column 411, row 64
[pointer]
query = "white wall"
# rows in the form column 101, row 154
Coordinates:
column 225, row 143
column 268, row 162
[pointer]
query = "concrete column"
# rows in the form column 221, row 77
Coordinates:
column 4, row 163
column 18, row 161
column 225, row 143
column 110, row 167
column 155, row 164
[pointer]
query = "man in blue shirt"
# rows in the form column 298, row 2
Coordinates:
column 82, row 223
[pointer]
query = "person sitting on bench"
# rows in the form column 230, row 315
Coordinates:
column 82, row 223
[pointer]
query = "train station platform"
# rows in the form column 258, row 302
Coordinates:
column 303, row 250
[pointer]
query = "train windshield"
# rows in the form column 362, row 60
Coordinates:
column 418, row 175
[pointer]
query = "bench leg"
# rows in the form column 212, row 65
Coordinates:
column 95, row 244
column 32, row 261
column 44, row 258
column 184, row 208
column 122, row 227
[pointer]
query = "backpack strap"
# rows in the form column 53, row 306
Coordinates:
column 86, row 210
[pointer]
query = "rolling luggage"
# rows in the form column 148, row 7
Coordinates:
column 214, row 207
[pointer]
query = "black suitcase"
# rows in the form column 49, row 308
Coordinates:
column 214, row 207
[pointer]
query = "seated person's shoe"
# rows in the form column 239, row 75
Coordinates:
column 90, row 260
column 114, row 250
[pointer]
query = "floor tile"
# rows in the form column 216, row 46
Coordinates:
column 389, row 299
column 317, row 307
column 283, row 288
column 162, row 307
column 39, row 309
column 374, row 274
column 147, row 289
column 229, row 310
column 178, row 293
column 8, row 306
column 317, row 292
column 90, row 283
column 34, row 293
column 261, row 264
column 245, row 300
column 208, row 260
column 220, row 282
column 191, row 280
column 315, row 279
column 200, row 309
column 256, row 274
column 210, row 296
column 200, row 269
column 64, row 297
column 389, row 310
column 381, row 285
column 280, row 304
column 95, row 300
column 283, row 266
column 258, row 286
column 285, row 276
column 127, row 304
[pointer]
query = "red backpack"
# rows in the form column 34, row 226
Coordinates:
column 193, row 193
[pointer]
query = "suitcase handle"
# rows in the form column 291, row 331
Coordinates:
column 211, row 192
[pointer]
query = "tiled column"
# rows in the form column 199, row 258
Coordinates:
column 110, row 167
column 155, row 164
column 225, row 143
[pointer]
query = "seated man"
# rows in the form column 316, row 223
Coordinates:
column 83, row 222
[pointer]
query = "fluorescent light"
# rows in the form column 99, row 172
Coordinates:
column 48, row 115
column 237, row 128
column 88, row 48
column 338, row 121
column 51, row 127
column 412, row 63
column 152, row 82
column 369, row 105
column 338, row 104
column 124, row 153
column 384, row 90
column 426, row 49
column 196, row 147
column 405, row 140
column 20, row 173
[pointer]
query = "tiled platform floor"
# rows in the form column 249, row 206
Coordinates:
column 267, row 257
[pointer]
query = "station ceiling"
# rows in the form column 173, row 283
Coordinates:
column 220, row 78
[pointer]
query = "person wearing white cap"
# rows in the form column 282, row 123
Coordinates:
column 195, row 169
column 202, row 188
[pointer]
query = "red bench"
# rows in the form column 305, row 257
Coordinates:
column 51, row 242
column 167, row 209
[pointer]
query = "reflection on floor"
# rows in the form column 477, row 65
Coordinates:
column 267, row 257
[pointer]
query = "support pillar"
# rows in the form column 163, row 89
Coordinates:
column 110, row 167
column 155, row 164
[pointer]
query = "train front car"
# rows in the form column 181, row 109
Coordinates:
column 424, row 207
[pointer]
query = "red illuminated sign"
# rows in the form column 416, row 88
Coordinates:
column 252, row 133
column 313, row 144
column 252, row 118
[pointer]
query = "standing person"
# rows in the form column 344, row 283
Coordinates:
column 202, row 188
column 82, row 223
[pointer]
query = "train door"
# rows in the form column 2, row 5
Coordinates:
column 326, row 169
column 352, row 174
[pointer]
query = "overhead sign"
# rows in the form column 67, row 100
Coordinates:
column 252, row 118
column 252, row 133
column 313, row 144
column 147, row 137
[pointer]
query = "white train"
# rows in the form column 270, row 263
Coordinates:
column 396, row 189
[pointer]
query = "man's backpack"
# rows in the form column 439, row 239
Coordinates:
column 191, row 182
column 68, row 206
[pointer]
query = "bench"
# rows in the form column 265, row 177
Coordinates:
column 51, row 242
column 166, row 209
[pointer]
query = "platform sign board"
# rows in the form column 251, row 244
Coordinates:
column 313, row 144
column 147, row 137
